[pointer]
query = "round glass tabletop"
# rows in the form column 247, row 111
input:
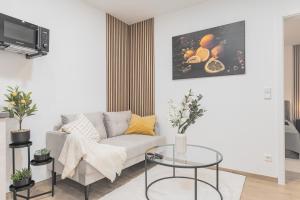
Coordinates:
column 195, row 156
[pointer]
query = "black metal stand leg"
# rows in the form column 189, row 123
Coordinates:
column 86, row 192
column 14, row 195
column 53, row 178
column 196, row 182
column 217, row 177
column 28, row 194
column 52, row 191
column 28, row 148
column 146, row 178
column 13, row 159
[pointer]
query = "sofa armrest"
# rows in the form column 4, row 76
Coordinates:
column 55, row 141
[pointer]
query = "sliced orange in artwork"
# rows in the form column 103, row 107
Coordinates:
column 214, row 66
column 194, row 60
column 203, row 54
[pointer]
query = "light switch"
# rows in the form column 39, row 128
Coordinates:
column 268, row 93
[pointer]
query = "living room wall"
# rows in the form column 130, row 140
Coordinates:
column 239, row 122
column 72, row 77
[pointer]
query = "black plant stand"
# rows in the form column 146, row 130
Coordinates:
column 14, row 189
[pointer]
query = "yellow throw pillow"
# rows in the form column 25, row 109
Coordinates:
column 141, row 125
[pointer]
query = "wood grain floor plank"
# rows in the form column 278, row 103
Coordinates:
column 255, row 188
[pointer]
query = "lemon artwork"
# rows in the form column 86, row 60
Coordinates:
column 203, row 54
column 212, row 52
column 194, row 60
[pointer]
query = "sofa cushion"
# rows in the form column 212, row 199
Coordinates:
column 96, row 118
column 141, row 125
column 135, row 145
column 116, row 122
column 82, row 125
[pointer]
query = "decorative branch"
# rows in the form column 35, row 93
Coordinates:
column 187, row 113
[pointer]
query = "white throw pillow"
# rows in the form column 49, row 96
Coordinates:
column 83, row 126
column 96, row 118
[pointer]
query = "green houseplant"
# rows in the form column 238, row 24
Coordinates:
column 19, row 106
column 183, row 115
column 21, row 177
column 42, row 155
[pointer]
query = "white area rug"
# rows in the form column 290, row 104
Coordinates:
column 231, row 186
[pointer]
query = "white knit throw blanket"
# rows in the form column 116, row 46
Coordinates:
column 107, row 159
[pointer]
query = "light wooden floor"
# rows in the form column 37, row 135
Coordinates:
column 254, row 189
column 292, row 165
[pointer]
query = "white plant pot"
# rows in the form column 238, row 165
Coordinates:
column 180, row 143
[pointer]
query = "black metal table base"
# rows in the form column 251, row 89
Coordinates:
column 15, row 190
column 34, row 196
column 196, row 180
column 183, row 177
column 29, row 196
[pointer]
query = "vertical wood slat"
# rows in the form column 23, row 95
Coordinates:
column 296, row 92
column 130, row 66
column 142, row 68
column 117, row 64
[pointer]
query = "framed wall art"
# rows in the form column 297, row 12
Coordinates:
column 218, row 51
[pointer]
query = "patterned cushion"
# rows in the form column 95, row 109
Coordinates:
column 96, row 118
column 83, row 126
column 116, row 122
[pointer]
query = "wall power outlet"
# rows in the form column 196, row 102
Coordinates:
column 268, row 158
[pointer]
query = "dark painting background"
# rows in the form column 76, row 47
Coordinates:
column 234, row 34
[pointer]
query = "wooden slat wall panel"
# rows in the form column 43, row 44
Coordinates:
column 130, row 66
column 296, row 100
column 142, row 68
column 117, row 52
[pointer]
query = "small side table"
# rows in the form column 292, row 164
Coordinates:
column 165, row 155
column 36, row 163
column 14, row 189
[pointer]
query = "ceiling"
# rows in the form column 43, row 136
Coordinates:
column 292, row 30
column 132, row 11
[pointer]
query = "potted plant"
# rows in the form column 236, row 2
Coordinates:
column 184, row 115
column 21, row 177
column 19, row 106
column 42, row 155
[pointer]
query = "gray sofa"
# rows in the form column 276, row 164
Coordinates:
column 135, row 145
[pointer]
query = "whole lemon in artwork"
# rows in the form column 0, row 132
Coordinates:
column 207, row 41
column 217, row 51
column 189, row 53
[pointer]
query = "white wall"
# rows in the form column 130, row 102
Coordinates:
column 288, row 72
column 239, row 122
column 71, row 78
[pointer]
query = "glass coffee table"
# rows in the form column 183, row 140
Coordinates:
column 195, row 157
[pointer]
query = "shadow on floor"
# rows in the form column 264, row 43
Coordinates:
column 70, row 190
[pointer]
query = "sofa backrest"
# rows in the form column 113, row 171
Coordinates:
column 108, row 124
column 96, row 118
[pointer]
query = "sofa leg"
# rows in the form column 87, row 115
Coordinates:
column 86, row 192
